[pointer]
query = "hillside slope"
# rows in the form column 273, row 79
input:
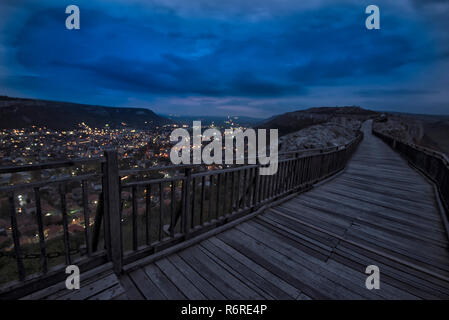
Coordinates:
column 24, row 113
column 297, row 120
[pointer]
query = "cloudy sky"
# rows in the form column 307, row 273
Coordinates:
column 233, row 57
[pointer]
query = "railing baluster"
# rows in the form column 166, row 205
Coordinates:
column 16, row 237
column 250, row 188
column 112, row 210
column 84, row 186
column 261, row 188
column 135, row 211
column 161, row 222
column 239, row 179
column 242, row 203
column 62, row 192
column 256, row 186
column 290, row 176
column 97, row 223
column 225, row 192
column 293, row 170
column 249, row 199
column 172, row 209
column 211, row 185
column 148, row 214
column 271, row 182
column 40, row 227
column 217, row 205
column 232, row 191
column 265, row 188
column 203, row 198
column 192, row 216
column 187, row 200
column 279, row 178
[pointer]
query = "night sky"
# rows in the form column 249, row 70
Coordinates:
column 228, row 57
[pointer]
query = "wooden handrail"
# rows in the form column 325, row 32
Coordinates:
column 434, row 164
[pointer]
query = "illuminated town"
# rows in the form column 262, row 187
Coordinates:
column 136, row 149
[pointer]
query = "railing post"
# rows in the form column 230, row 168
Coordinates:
column 186, row 212
column 112, row 225
column 256, row 188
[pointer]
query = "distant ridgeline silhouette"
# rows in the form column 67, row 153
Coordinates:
column 24, row 113
column 297, row 120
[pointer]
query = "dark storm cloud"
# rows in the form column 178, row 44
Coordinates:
column 173, row 49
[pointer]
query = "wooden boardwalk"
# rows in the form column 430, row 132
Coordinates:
column 317, row 245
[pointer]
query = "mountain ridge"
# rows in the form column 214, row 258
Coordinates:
column 22, row 113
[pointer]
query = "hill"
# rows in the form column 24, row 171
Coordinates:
column 430, row 131
column 298, row 120
column 24, row 113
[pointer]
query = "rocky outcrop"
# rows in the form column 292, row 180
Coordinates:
column 402, row 128
column 293, row 121
column 320, row 136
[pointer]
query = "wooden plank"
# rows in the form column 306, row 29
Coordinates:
column 387, row 209
column 60, row 289
column 163, row 283
column 398, row 281
column 334, row 223
column 193, row 276
column 309, row 263
column 183, row 284
column 145, row 286
column 375, row 181
column 109, row 294
column 275, row 263
column 412, row 275
column 130, row 288
column 231, row 280
column 418, row 250
column 382, row 197
column 422, row 199
column 91, row 289
column 291, row 291
column 211, row 276
column 122, row 296
column 325, row 206
column 237, row 275
column 269, row 291
column 302, row 240
column 373, row 250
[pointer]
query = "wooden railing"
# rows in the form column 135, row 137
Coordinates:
column 138, row 215
column 37, row 265
column 159, row 213
column 433, row 164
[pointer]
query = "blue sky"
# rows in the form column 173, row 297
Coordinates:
column 233, row 57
